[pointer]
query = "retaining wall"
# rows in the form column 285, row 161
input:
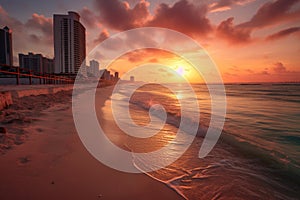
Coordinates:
column 7, row 97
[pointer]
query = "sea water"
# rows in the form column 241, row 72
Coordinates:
column 257, row 155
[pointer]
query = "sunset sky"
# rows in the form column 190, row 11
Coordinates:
column 249, row 40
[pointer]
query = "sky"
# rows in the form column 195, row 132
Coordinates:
column 248, row 40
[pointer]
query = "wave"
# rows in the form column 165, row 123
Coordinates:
column 275, row 161
column 168, row 183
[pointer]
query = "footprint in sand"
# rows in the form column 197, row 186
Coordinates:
column 40, row 130
column 24, row 160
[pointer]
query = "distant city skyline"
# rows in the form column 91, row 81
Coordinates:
column 250, row 41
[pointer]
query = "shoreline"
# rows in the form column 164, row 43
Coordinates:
column 52, row 163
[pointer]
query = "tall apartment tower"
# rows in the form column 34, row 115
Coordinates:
column 94, row 67
column 69, row 43
column 6, row 55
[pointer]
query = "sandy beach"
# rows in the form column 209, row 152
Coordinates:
column 42, row 156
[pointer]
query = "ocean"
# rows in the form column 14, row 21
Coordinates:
column 257, row 154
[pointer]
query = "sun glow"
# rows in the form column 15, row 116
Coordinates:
column 180, row 70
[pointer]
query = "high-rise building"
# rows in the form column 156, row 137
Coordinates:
column 105, row 74
column 94, row 68
column 48, row 66
column 132, row 78
column 69, row 43
column 36, row 63
column 117, row 75
column 6, row 55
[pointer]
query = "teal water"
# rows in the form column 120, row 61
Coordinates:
column 258, row 154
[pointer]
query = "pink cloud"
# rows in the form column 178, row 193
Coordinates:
column 223, row 5
column 102, row 36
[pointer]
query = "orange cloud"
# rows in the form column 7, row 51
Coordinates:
column 223, row 5
column 102, row 36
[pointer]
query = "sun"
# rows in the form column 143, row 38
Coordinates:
column 180, row 70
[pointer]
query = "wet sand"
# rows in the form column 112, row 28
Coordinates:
column 50, row 161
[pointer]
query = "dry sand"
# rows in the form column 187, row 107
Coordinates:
column 43, row 157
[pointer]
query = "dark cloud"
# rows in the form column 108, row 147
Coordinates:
column 43, row 28
column 273, row 13
column 88, row 17
column 191, row 18
column 35, row 35
column 6, row 20
column 250, row 71
column 265, row 72
column 230, row 74
column 119, row 16
column 283, row 33
column 40, row 22
column 232, row 34
column 268, row 14
column 18, row 31
column 234, row 68
column 184, row 17
column 34, row 38
column 279, row 68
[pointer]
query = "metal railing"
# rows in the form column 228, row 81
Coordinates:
column 45, row 78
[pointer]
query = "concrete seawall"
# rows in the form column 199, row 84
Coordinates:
column 8, row 94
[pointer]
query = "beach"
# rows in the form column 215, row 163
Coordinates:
column 43, row 157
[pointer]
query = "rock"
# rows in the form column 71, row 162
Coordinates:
column 3, row 130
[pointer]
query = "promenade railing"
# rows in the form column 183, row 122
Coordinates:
column 44, row 78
